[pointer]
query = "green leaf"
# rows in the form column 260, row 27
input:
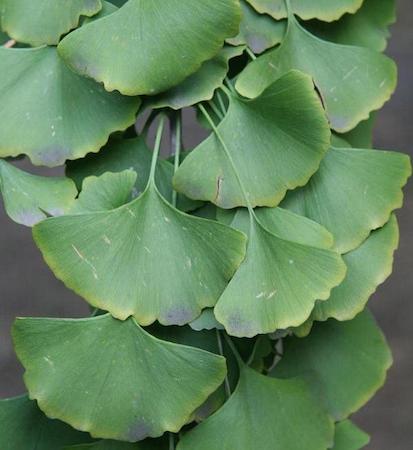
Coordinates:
column 181, row 264
column 206, row 321
column 51, row 114
column 346, row 362
column 362, row 135
column 369, row 27
column 109, row 191
column 149, row 444
column 28, row 198
column 24, row 427
column 123, row 154
column 354, row 192
column 277, row 284
column 349, row 437
column 112, row 378
column 43, row 21
column 199, row 86
column 262, row 414
column 107, row 9
column 276, row 142
column 367, row 267
column 353, row 81
column 259, row 31
column 326, row 10
column 171, row 41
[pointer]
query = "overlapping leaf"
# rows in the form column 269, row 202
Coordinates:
column 262, row 414
column 43, row 21
column 354, row 192
column 112, row 378
column 367, row 267
column 369, row 27
column 349, row 437
column 180, row 264
column 346, row 362
column 326, row 10
column 171, row 41
column 24, row 426
column 52, row 114
column 123, row 154
column 28, row 198
column 353, row 81
column 149, row 444
column 276, row 141
column 258, row 31
column 201, row 85
column 278, row 283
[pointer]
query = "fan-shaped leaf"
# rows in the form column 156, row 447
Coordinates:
column 277, row 284
column 362, row 135
column 109, row 191
column 349, row 437
column 353, row 81
column 326, row 10
column 199, row 86
column 51, row 114
column 172, row 39
column 28, row 198
column 354, row 192
column 24, row 427
column 44, row 21
column 346, row 362
column 369, row 27
column 123, row 154
column 112, row 378
column 258, row 31
column 276, row 142
column 206, row 321
column 260, row 415
column 367, row 267
column 181, row 264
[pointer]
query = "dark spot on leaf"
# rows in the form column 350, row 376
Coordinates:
column 139, row 431
column 179, row 316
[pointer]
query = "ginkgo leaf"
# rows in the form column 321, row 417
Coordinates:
column 206, row 321
column 52, row 114
column 326, row 10
column 346, row 362
column 353, row 81
column 107, row 9
column 180, row 264
column 123, row 154
column 199, row 86
column 362, row 135
column 258, row 31
column 262, row 414
column 148, row 444
column 277, row 284
column 367, row 267
column 276, row 141
column 171, row 41
column 369, row 27
column 28, row 198
column 112, row 378
column 349, row 437
column 353, row 193
column 44, row 21
column 24, row 427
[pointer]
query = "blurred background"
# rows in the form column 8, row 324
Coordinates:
column 28, row 288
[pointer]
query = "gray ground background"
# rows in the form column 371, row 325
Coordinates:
column 27, row 288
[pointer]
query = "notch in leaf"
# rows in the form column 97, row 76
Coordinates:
column 259, row 415
column 28, row 198
column 112, row 378
column 171, row 41
column 54, row 114
column 181, row 264
column 353, row 81
column 276, row 141
column 43, row 21
column 354, row 192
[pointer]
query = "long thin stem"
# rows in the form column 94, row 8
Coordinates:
column 215, row 109
column 251, row 54
column 221, row 103
column 171, row 442
column 157, row 148
column 221, row 352
column 234, row 351
column 149, row 121
column 229, row 85
column 176, row 142
column 228, row 154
